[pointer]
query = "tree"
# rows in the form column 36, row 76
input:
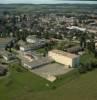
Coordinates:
column 83, row 38
column 91, row 46
column 82, row 68
column 88, row 61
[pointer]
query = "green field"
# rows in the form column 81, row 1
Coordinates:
column 23, row 85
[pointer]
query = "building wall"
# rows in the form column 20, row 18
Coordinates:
column 75, row 62
column 26, row 66
column 67, row 61
column 24, row 49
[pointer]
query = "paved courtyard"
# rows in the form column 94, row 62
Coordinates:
column 53, row 69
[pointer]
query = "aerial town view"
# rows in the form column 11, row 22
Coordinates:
column 48, row 50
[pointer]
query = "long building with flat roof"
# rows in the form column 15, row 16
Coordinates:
column 36, row 63
column 68, row 59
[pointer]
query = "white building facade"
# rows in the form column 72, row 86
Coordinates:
column 67, row 59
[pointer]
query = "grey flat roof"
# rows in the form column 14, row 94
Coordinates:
column 37, row 63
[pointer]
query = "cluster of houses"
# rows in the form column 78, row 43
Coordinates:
column 32, row 43
column 31, row 60
column 47, row 23
column 43, row 25
column 31, row 46
column 5, row 56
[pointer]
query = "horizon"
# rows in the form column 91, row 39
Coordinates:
column 47, row 2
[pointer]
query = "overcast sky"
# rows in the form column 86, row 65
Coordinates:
column 45, row 1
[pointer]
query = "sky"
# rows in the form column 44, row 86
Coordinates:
column 46, row 1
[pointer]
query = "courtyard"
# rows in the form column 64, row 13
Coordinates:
column 51, row 70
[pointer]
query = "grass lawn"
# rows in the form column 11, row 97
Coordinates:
column 23, row 85
column 41, row 50
column 20, row 81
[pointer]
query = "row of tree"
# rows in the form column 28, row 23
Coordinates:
column 88, row 62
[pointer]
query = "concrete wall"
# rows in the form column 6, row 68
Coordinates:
column 75, row 62
column 27, row 66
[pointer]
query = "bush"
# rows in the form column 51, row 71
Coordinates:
column 53, row 87
column 89, row 67
column 19, row 69
column 82, row 69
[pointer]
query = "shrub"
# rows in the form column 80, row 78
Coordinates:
column 82, row 69
column 19, row 69
column 54, row 87
column 89, row 67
